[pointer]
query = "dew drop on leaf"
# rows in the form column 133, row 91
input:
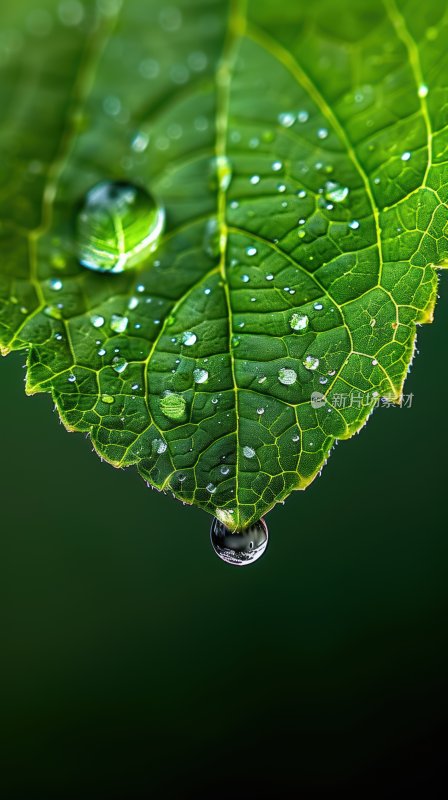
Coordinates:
column 118, row 323
column 118, row 225
column 119, row 364
column 189, row 338
column 287, row 376
column 200, row 375
column 242, row 547
column 335, row 192
column 173, row 405
column 311, row 362
column 298, row 322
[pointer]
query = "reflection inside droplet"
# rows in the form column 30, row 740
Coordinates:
column 242, row 547
column 118, row 225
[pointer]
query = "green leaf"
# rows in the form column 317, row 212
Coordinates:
column 300, row 153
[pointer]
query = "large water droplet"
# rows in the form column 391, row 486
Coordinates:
column 118, row 225
column 240, row 548
column 189, row 338
column 335, row 192
column 298, row 322
column 200, row 375
column 287, row 376
column 119, row 364
column 173, row 405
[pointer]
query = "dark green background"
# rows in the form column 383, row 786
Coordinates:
column 134, row 663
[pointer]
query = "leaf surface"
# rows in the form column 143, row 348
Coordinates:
column 300, row 153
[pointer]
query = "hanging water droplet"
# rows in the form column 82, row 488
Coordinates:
column 239, row 548
column 200, row 375
column 118, row 323
column 249, row 452
column 298, row 322
column 287, row 376
column 189, row 338
column 173, row 405
column 119, row 364
column 118, row 225
column 311, row 362
column 335, row 192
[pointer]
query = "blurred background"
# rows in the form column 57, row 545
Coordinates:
column 134, row 663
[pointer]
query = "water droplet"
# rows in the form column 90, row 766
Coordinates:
column 58, row 337
column 262, row 379
column 254, row 179
column 101, row 351
column 118, row 323
column 335, row 192
column 56, row 284
column 311, row 362
column 286, row 119
column 406, row 156
column 119, row 364
column 298, row 322
column 71, row 378
column 287, row 376
column 249, row 452
column 303, row 116
column 354, row 224
column 277, row 166
column 173, row 405
column 159, row 446
column 318, row 306
column 281, row 188
column 189, row 338
column 374, row 362
column 118, row 225
column 322, row 133
column 212, row 238
column 200, row 375
column 140, row 142
column 270, row 277
column 423, row 90
column 260, row 411
column 107, row 398
column 220, row 173
column 211, row 488
column 239, row 548
column 224, row 470
column 245, row 278
column 251, row 251
column 97, row 320
column 323, row 380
